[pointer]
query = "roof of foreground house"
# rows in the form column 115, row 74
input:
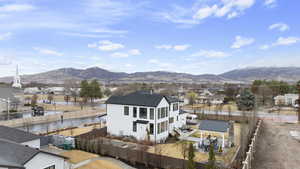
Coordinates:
column 15, row 155
column 140, row 98
column 214, row 125
column 16, row 135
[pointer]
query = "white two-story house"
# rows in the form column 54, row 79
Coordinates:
column 144, row 115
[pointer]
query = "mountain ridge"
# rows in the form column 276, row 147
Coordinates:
column 242, row 75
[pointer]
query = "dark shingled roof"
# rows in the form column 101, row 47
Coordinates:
column 140, row 98
column 214, row 125
column 16, row 135
column 15, row 155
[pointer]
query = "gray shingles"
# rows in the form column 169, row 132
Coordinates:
column 140, row 98
column 214, row 125
column 16, row 135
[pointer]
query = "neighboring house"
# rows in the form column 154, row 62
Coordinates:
column 32, row 90
column 55, row 90
column 6, row 94
column 287, row 99
column 21, row 150
column 144, row 115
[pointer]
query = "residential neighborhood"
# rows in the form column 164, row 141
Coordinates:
column 141, row 84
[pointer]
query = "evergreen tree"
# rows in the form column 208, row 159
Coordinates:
column 246, row 101
column 211, row 158
column 84, row 92
column 95, row 90
column 191, row 156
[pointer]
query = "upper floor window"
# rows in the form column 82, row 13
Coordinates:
column 143, row 113
column 175, row 106
column 151, row 114
column 134, row 112
column 126, row 110
column 158, row 113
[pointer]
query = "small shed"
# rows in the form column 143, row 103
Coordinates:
column 214, row 128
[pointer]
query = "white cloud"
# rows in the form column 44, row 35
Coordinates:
column 109, row 31
column 119, row 55
column 166, row 47
column 134, row 52
column 4, row 60
column 281, row 41
column 286, row 41
column 174, row 47
column 264, row 47
column 229, row 8
column 270, row 3
column 128, row 65
column 85, row 35
column 16, row 8
column 5, row 36
column 210, row 54
column 181, row 47
column 106, row 45
column 279, row 26
column 47, row 51
column 242, row 41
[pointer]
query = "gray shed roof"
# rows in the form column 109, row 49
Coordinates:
column 140, row 98
column 16, row 135
column 214, row 125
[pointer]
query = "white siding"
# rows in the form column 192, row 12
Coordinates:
column 122, row 125
column 33, row 143
column 43, row 160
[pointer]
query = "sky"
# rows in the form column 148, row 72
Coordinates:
column 191, row 36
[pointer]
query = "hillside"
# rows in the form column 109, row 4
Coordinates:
column 59, row 76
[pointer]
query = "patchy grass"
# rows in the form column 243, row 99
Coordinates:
column 77, row 156
column 78, row 131
column 231, row 106
column 100, row 164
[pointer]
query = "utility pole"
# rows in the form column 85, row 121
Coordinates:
column 8, row 107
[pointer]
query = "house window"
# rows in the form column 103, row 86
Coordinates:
column 50, row 167
column 151, row 114
column 171, row 120
column 163, row 112
column 177, row 118
column 126, row 110
column 151, row 128
column 158, row 113
column 167, row 111
column 134, row 112
column 175, row 107
column 158, row 128
column 143, row 113
column 134, row 127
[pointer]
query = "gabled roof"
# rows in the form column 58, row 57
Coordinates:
column 214, row 125
column 16, row 135
column 14, row 155
column 140, row 98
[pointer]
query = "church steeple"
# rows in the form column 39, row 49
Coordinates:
column 17, row 79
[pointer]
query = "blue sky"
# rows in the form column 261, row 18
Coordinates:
column 194, row 36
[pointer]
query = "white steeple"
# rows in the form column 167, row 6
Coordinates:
column 17, row 79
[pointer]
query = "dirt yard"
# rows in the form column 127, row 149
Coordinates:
column 277, row 149
column 76, row 156
column 100, row 164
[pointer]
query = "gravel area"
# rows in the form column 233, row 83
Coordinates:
column 277, row 149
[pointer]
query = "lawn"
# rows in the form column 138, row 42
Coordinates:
column 231, row 106
column 100, row 164
column 77, row 156
column 79, row 131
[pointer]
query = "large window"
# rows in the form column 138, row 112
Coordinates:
column 143, row 113
column 151, row 114
column 134, row 127
column 126, row 110
column 175, row 106
column 171, row 120
column 163, row 112
column 50, row 167
column 151, row 128
column 158, row 128
column 158, row 113
column 134, row 112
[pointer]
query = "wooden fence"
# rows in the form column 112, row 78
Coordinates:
column 247, row 163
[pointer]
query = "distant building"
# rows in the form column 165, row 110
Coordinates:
column 286, row 100
column 21, row 150
column 32, row 90
column 8, row 94
column 17, row 79
column 144, row 115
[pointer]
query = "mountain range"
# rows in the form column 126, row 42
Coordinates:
column 245, row 75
